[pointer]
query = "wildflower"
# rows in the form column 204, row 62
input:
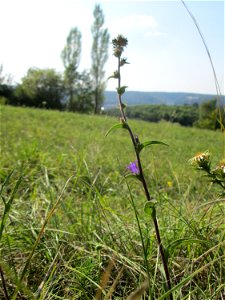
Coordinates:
column 169, row 184
column 201, row 160
column 133, row 168
column 120, row 41
column 118, row 45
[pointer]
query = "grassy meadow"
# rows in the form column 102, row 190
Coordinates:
column 68, row 227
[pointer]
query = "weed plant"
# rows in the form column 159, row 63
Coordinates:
column 136, row 169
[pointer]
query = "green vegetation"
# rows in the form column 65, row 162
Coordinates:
column 99, row 55
column 71, row 58
column 206, row 115
column 185, row 115
column 210, row 116
column 57, row 158
column 39, row 88
column 74, row 90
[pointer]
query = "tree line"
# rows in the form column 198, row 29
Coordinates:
column 207, row 115
column 73, row 90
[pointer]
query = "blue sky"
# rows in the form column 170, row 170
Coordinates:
column 165, row 50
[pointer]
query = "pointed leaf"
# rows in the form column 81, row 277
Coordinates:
column 121, row 90
column 116, row 126
column 175, row 244
column 115, row 75
column 123, row 62
column 133, row 176
column 149, row 143
column 112, row 76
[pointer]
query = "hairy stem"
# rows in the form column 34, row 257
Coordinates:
column 135, row 141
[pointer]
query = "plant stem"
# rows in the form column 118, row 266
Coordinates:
column 135, row 140
column 4, row 284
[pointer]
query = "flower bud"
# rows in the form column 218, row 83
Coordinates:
column 133, row 168
column 118, row 45
column 201, row 160
column 123, row 62
column 120, row 41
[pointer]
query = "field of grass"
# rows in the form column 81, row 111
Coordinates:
column 68, row 227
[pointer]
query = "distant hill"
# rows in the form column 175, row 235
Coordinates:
column 136, row 98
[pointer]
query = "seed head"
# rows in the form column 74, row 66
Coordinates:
column 120, row 41
column 118, row 45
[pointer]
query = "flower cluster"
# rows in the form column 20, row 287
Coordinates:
column 202, row 161
column 217, row 175
column 118, row 45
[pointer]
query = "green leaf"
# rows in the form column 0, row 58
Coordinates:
column 149, row 208
column 115, row 75
column 123, row 106
column 116, row 126
column 112, row 76
column 149, row 143
column 121, row 90
column 179, row 242
column 133, row 176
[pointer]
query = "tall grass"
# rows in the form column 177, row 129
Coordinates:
column 94, row 226
column 220, row 98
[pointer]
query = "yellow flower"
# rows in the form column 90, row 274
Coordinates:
column 202, row 156
column 201, row 160
column 169, row 184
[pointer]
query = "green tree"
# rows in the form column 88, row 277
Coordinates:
column 2, row 78
column 82, row 100
column 40, row 88
column 6, row 87
column 99, row 55
column 209, row 116
column 71, row 60
column 5, row 79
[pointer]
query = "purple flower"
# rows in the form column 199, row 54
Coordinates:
column 133, row 167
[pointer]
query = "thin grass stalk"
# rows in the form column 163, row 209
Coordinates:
column 115, row 282
column 187, row 279
column 23, row 273
column 9, row 203
column 4, row 284
column 105, row 277
column 217, row 86
column 45, row 279
column 140, row 232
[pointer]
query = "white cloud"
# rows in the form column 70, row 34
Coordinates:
column 135, row 23
column 153, row 33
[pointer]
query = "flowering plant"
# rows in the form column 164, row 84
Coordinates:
column 135, row 167
column 202, row 161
